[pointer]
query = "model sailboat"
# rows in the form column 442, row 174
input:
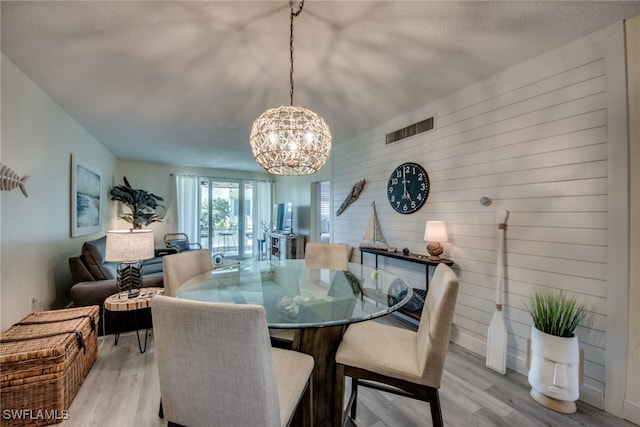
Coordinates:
column 373, row 237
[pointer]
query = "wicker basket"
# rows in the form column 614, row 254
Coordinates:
column 45, row 358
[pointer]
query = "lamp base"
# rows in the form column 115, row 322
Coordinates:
column 133, row 293
column 435, row 249
column 130, row 278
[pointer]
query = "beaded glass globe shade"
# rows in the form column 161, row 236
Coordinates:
column 290, row 140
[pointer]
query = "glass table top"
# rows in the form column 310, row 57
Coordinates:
column 295, row 296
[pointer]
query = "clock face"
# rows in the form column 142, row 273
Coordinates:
column 408, row 188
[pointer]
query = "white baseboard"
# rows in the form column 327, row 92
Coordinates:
column 631, row 412
column 468, row 342
column 592, row 396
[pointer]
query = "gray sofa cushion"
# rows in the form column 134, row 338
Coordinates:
column 93, row 254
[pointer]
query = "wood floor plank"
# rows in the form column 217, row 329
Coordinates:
column 122, row 389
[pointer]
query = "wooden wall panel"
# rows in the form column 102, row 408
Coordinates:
column 632, row 392
column 535, row 140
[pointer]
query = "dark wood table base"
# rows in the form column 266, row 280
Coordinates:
column 322, row 344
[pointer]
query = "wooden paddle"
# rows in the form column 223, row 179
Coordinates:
column 497, row 333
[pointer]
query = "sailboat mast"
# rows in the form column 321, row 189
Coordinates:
column 375, row 228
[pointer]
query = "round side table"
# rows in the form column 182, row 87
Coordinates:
column 122, row 302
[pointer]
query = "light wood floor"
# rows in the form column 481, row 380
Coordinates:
column 122, row 390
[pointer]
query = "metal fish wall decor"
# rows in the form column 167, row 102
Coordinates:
column 9, row 180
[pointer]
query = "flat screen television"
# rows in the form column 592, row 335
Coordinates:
column 283, row 218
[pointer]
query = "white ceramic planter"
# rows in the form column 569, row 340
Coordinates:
column 554, row 372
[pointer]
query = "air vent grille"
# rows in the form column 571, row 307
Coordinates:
column 414, row 129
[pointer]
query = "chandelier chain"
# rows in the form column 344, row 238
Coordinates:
column 293, row 15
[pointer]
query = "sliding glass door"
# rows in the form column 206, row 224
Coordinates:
column 226, row 218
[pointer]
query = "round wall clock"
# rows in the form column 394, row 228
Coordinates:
column 408, row 188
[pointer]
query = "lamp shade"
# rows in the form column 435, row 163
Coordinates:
column 435, row 231
column 129, row 245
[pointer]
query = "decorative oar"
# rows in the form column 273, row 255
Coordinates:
column 497, row 334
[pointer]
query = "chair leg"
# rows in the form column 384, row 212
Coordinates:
column 339, row 397
column 307, row 405
column 303, row 416
column 354, row 398
column 161, row 411
column 436, row 411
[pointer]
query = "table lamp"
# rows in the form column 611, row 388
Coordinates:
column 129, row 248
column 435, row 232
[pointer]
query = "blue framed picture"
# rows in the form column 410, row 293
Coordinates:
column 86, row 198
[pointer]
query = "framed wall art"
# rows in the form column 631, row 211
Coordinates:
column 86, row 198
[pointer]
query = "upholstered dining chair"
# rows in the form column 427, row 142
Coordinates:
column 180, row 267
column 326, row 255
column 398, row 360
column 217, row 368
column 180, row 242
column 316, row 255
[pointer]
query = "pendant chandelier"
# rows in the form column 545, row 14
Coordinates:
column 290, row 140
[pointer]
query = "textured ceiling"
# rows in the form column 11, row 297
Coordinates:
column 182, row 82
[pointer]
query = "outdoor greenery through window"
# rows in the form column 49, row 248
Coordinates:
column 227, row 211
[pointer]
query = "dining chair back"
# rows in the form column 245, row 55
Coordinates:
column 180, row 267
column 317, row 255
column 216, row 366
column 398, row 360
column 180, row 242
column 326, row 255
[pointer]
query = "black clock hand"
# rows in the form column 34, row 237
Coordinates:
column 405, row 194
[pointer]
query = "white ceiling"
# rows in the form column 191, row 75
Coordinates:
column 182, row 82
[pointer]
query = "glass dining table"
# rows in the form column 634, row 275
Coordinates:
column 318, row 303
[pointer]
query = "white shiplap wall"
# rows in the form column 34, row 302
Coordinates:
column 533, row 138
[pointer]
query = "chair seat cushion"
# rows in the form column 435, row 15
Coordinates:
column 381, row 348
column 292, row 371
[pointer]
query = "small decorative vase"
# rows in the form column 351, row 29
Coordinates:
column 554, row 372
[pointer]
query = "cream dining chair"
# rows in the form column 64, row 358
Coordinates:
column 180, row 267
column 316, row 255
column 217, row 368
column 376, row 355
column 326, row 255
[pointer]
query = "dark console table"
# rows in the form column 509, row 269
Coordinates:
column 415, row 258
column 418, row 259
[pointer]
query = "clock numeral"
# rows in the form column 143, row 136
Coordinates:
column 408, row 188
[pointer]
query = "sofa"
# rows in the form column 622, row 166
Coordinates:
column 94, row 280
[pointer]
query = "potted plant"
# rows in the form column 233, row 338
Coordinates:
column 554, row 357
column 143, row 204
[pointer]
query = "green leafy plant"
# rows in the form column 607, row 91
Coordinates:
column 220, row 211
column 143, row 204
column 556, row 313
